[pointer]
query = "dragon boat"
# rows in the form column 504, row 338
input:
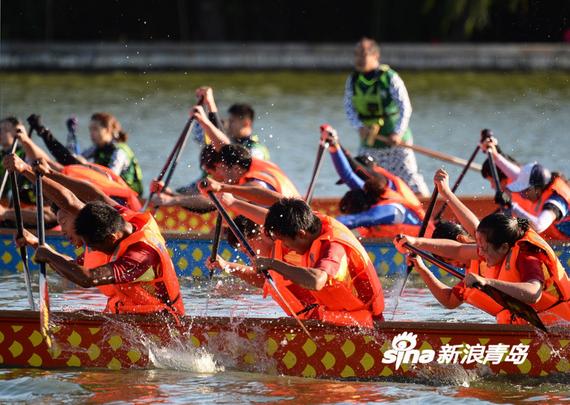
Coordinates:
column 410, row 350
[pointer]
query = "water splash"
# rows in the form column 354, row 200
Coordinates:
column 196, row 360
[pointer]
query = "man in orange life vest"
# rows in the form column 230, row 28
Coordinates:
column 125, row 255
column 320, row 267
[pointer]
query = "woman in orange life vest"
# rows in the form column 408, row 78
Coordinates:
column 126, row 256
column 512, row 258
column 546, row 195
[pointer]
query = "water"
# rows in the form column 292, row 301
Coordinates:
column 527, row 111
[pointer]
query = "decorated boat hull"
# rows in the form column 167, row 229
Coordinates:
column 278, row 346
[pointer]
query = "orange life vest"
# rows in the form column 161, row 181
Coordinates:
column 270, row 173
column 553, row 305
column 106, row 181
column 391, row 230
column 352, row 298
column 401, row 186
column 139, row 297
column 559, row 187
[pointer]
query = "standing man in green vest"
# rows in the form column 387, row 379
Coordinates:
column 377, row 104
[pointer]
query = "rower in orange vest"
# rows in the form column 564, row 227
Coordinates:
column 510, row 257
column 320, row 267
column 125, row 257
column 259, row 181
column 546, row 195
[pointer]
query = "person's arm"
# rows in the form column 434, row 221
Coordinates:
column 510, row 169
column 61, row 154
column 306, row 277
column 246, row 273
column 218, row 138
column 251, row 191
column 528, row 292
column 442, row 247
column 400, row 95
column 33, row 151
column 192, row 202
column 344, row 169
column 58, row 194
column 240, row 207
column 84, row 190
column 440, row 291
column 539, row 223
column 69, row 269
column 464, row 215
column 29, row 216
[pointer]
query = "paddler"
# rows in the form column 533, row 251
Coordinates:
column 547, row 193
column 319, row 267
column 377, row 105
column 125, row 254
column 508, row 255
column 380, row 206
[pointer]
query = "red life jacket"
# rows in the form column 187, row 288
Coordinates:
column 401, row 187
column 354, row 297
column 552, row 306
column 270, row 173
column 106, row 181
column 391, row 230
column 139, row 297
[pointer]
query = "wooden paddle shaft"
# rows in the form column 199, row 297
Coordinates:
column 435, row 154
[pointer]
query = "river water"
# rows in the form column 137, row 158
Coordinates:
column 529, row 112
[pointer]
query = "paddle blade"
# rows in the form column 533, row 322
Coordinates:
column 517, row 307
column 44, row 305
column 27, row 278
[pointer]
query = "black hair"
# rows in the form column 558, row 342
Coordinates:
column 374, row 188
column 242, row 111
column 353, row 202
column 235, row 155
column 249, row 229
column 209, row 157
column 448, row 230
column 97, row 221
column 499, row 228
column 288, row 216
column 12, row 120
column 486, row 166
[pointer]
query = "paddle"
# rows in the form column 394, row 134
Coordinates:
column 421, row 233
column 486, row 133
column 6, row 173
column 252, row 255
column 20, row 233
column 316, row 167
column 435, row 154
column 216, row 241
column 173, row 158
column 517, row 307
column 458, row 181
column 44, row 294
